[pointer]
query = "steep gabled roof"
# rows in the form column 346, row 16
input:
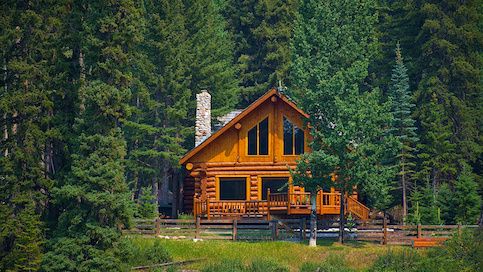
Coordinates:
column 240, row 116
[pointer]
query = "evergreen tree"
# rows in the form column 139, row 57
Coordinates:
column 436, row 150
column 262, row 31
column 403, row 126
column 186, row 49
column 333, row 43
column 466, row 200
column 444, row 201
column 423, row 209
column 213, row 67
column 92, row 202
column 27, row 32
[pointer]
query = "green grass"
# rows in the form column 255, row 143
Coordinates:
column 289, row 255
column 461, row 253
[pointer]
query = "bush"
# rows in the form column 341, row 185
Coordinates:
column 238, row 266
column 331, row 264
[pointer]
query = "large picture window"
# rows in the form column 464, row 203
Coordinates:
column 276, row 185
column 233, row 188
column 258, row 139
column 293, row 138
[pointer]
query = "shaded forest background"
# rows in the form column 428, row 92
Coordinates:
column 97, row 105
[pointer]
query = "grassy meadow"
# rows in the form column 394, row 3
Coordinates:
column 289, row 255
column 461, row 253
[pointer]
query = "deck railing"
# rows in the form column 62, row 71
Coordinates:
column 328, row 203
column 291, row 203
column 278, row 200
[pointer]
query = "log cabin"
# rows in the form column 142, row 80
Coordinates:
column 242, row 168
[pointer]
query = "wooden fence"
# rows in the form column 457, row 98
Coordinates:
column 289, row 229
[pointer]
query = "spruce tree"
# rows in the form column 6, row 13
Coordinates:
column 27, row 60
column 403, row 126
column 213, row 66
column 262, row 31
column 333, row 43
column 92, row 201
column 186, row 49
column 466, row 200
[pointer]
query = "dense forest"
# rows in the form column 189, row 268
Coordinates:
column 97, row 105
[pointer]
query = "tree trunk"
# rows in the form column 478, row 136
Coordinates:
column 155, row 194
column 164, row 197
column 342, row 215
column 404, row 196
column 313, row 220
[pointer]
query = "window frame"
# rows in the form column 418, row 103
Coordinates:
column 274, row 176
column 218, row 188
column 257, row 125
column 294, row 126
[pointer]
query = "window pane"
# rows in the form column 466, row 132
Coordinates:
column 276, row 185
column 233, row 189
column 252, row 141
column 287, row 137
column 263, row 128
column 299, row 141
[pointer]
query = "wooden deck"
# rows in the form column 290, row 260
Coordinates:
column 279, row 204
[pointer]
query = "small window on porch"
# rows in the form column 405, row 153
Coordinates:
column 276, row 185
column 293, row 138
column 233, row 188
column 258, row 139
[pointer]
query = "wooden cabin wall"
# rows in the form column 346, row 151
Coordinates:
column 227, row 156
column 232, row 145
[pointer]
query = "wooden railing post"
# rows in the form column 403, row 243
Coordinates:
column 197, row 227
column 208, row 208
column 235, row 231
column 158, row 225
column 268, row 204
column 289, row 199
column 419, row 230
column 459, row 230
column 384, row 239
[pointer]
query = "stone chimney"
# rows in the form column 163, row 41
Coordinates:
column 203, row 117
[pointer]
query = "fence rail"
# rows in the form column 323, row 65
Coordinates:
column 290, row 229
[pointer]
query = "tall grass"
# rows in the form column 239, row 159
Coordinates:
column 462, row 253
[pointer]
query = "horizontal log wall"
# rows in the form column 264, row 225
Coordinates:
column 207, row 172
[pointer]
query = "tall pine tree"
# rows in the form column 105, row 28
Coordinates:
column 93, row 200
column 262, row 31
column 28, row 31
column 403, row 126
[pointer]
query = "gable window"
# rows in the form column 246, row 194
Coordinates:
column 276, row 185
column 233, row 188
column 293, row 138
column 258, row 139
